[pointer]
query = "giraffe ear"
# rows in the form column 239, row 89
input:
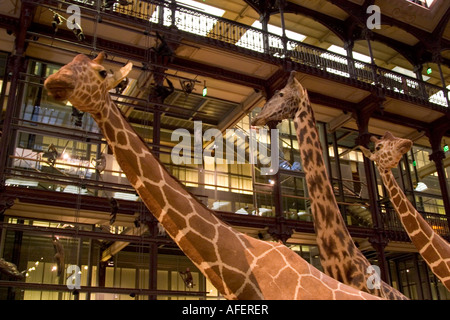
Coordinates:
column 100, row 57
column 367, row 153
column 119, row 75
column 374, row 139
column 291, row 79
column 388, row 136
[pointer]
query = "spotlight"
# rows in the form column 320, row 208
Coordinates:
column 78, row 32
column 57, row 20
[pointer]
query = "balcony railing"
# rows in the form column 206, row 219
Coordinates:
column 438, row 222
column 273, row 47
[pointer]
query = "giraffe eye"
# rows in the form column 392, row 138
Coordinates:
column 379, row 147
column 103, row 73
column 281, row 94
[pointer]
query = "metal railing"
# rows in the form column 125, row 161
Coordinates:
column 256, row 41
column 438, row 222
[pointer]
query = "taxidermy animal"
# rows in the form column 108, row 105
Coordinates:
column 59, row 255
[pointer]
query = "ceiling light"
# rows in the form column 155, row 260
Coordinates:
column 205, row 89
column 57, row 20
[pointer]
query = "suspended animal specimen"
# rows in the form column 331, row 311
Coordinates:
column 159, row 93
column 59, row 255
column 10, row 269
column 163, row 50
column 100, row 163
column 187, row 278
column 187, row 86
column 51, row 154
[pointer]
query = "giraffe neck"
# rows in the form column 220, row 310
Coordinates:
column 432, row 247
column 186, row 221
column 239, row 266
column 339, row 255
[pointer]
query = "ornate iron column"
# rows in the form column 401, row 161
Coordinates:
column 379, row 240
column 16, row 65
column 348, row 46
column 280, row 231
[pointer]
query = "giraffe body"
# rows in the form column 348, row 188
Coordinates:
column 239, row 266
column 431, row 246
column 339, row 256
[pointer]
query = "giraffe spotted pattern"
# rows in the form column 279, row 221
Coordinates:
column 431, row 246
column 239, row 266
column 339, row 256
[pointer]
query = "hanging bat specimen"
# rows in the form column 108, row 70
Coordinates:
column 59, row 255
column 187, row 278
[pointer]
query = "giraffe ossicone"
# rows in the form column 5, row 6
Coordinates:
column 339, row 256
column 239, row 266
column 431, row 246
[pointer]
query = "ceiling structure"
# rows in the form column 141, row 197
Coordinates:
column 239, row 80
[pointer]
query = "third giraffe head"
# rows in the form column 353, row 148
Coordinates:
column 284, row 103
column 388, row 150
column 85, row 82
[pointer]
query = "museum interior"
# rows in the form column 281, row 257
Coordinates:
column 76, row 229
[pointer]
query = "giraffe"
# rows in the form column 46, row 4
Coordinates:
column 239, row 266
column 339, row 256
column 431, row 246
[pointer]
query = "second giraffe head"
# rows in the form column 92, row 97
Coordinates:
column 388, row 150
column 284, row 103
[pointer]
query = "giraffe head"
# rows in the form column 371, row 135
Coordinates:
column 388, row 150
column 85, row 82
column 284, row 103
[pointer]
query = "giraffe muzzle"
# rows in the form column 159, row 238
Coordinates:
column 59, row 90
